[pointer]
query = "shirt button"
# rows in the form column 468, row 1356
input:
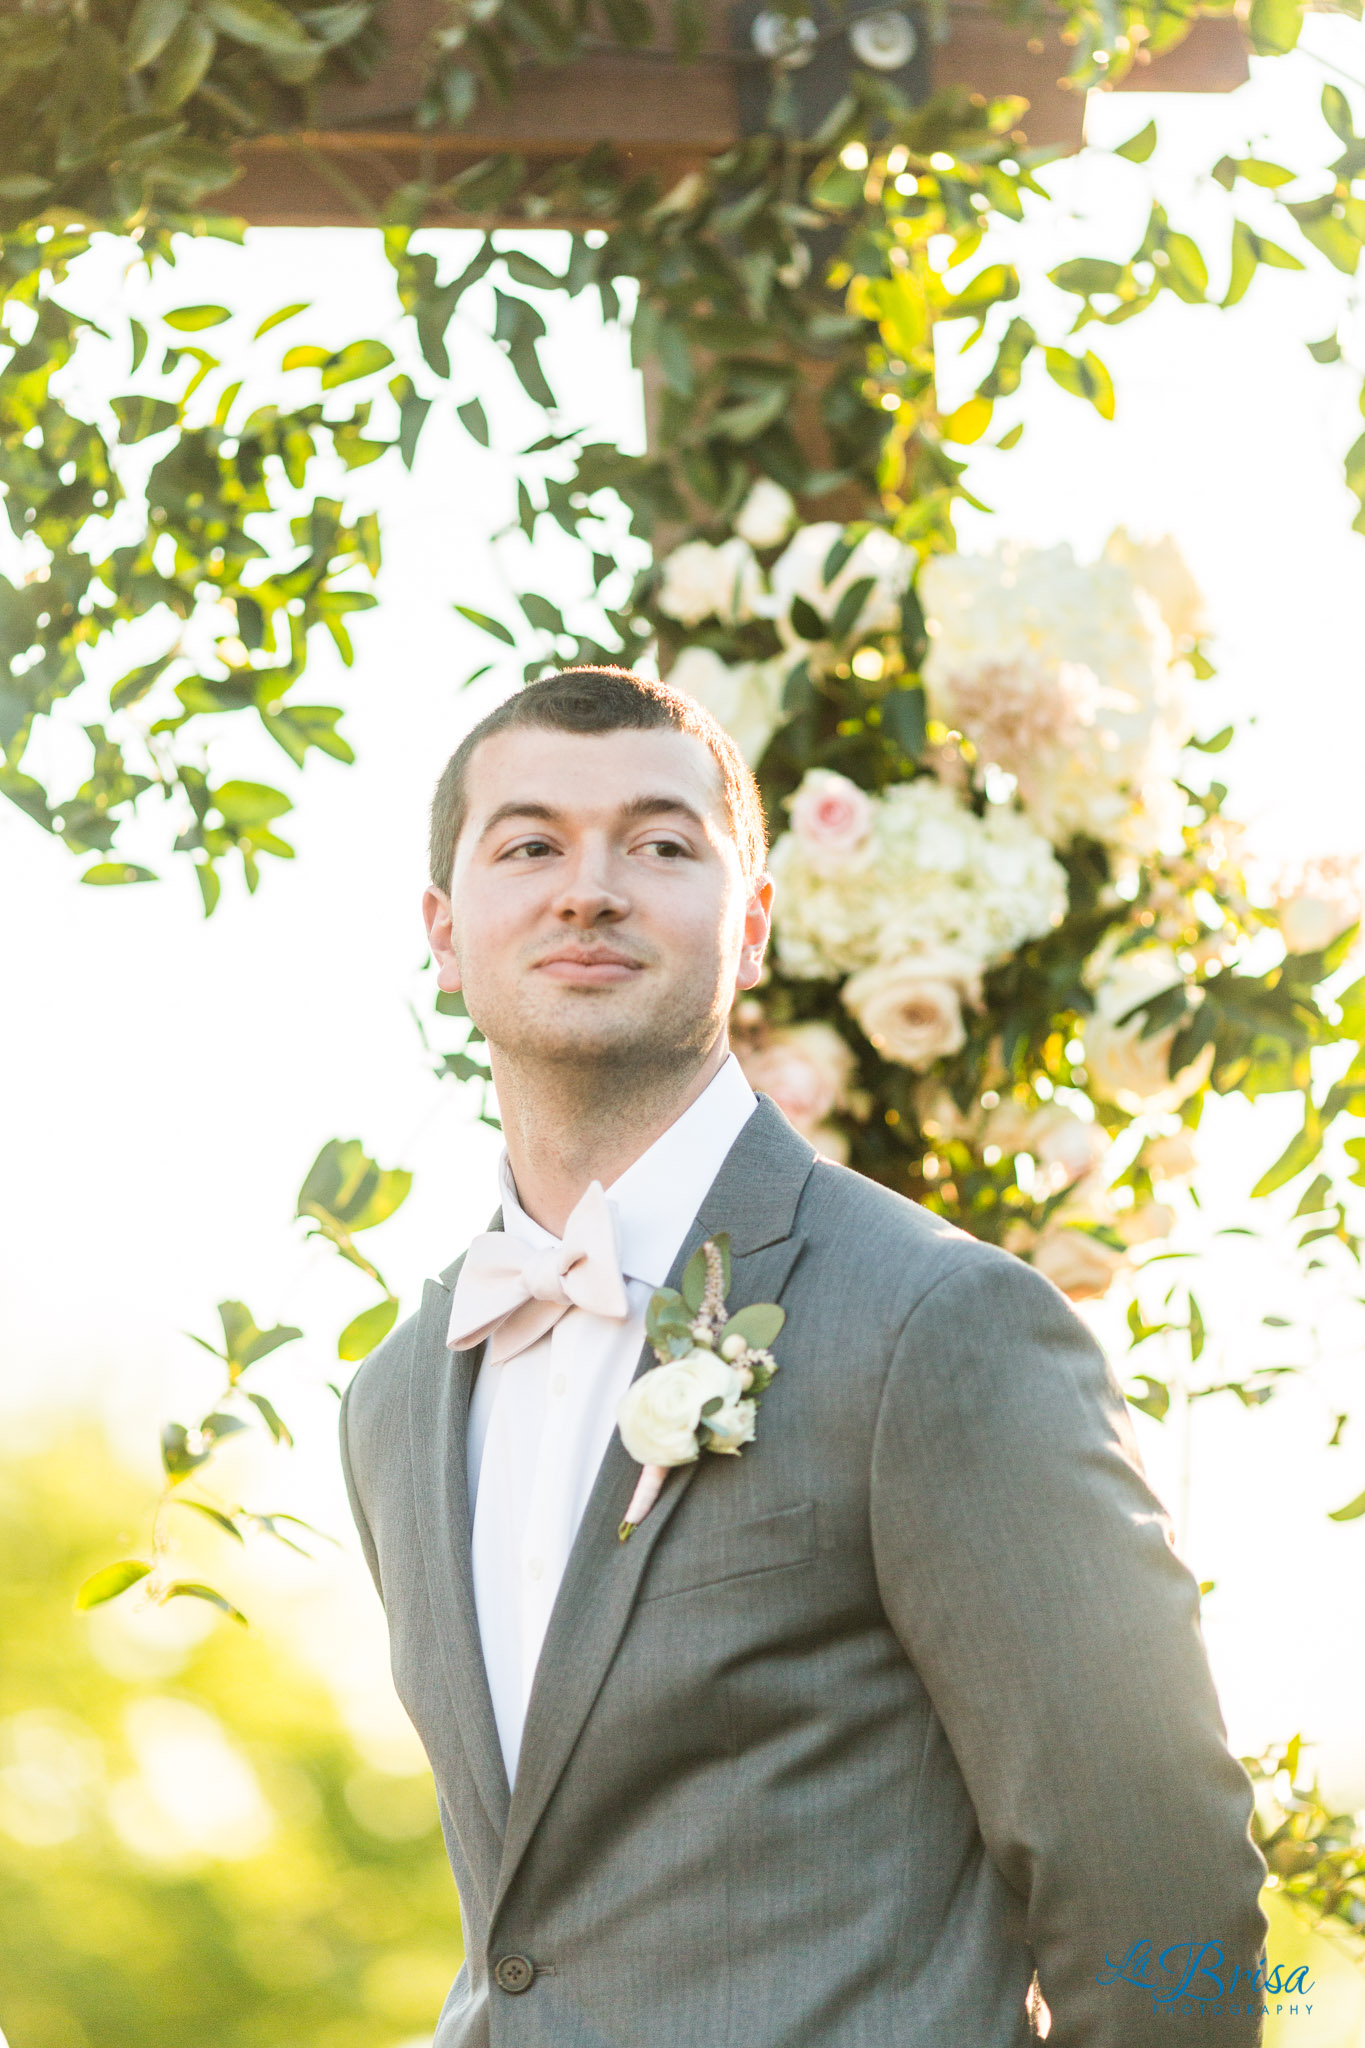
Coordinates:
column 558, row 1384
column 534, row 1568
column 513, row 1974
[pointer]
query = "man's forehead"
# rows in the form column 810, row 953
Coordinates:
column 590, row 772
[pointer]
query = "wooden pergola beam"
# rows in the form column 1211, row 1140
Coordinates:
column 656, row 113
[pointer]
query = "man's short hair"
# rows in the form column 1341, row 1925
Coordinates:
column 602, row 700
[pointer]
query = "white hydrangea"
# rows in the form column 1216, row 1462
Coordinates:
column 928, row 877
column 767, row 515
column 703, row 582
column 743, row 696
column 799, row 572
column 1061, row 674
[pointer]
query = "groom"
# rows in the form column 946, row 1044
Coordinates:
column 863, row 1726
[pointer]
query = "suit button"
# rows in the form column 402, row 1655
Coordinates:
column 513, row 1974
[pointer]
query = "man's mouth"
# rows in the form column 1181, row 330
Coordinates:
column 588, row 966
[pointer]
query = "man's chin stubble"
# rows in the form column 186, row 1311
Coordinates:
column 592, row 1035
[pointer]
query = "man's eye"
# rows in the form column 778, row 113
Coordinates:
column 671, row 849
column 529, row 848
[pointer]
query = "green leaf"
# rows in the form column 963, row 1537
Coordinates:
column 192, row 319
column 150, row 27
column 214, row 1515
column 1274, row 26
column 1352, row 1511
column 1336, row 112
column 1300, row 1152
column 176, row 1456
column 345, row 1186
column 544, row 616
column 1215, row 745
column 1328, row 351
column 1086, row 275
column 1325, row 223
column 694, row 1280
column 278, row 319
column 260, row 24
column 305, row 355
column 357, row 359
column 849, row 607
column 1086, row 378
column 1139, row 147
column 272, row 1418
column 369, row 1328
column 806, row 621
column 109, row 1582
column 487, row 625
column 245, row 805
column 474, row 420
column 108, row 874
column 904, row 718
column 189, row 1589
column 297, row 727
column 139, row 417
column 1157, row 1399
column 759, row 1325
column 183, row 63
column 243, row 1343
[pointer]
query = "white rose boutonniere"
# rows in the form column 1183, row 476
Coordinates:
column 713, row 1369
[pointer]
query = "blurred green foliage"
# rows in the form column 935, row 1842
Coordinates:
column 191, row 1848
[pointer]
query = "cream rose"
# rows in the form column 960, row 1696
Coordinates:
column 767, row 515
column 1159, row 568
column 1082, row 1266
column 745, row 696
column 1145, row 1223
column 1064, row 1145
column 1124, row 1067
column 1170, row 1158
column 731, row 1427
column 807, row 1069
column 830, row 814
column 911, row 1009
column 800, row 572
column 1319, row 904
column 702, row 582
column 661, row 1412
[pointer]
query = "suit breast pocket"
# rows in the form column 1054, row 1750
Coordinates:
column 738, row 1550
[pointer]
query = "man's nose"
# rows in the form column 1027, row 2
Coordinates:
column 591, row 892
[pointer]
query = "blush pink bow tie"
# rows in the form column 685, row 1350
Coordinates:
column 512, row 1293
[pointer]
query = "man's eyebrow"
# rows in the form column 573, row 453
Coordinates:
column 653, row 806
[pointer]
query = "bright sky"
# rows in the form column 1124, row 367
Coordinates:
column 171, row 1081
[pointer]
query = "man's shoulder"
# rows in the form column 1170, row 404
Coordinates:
column 895, row 1251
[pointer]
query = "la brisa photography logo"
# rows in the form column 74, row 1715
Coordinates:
column 1194, row 1978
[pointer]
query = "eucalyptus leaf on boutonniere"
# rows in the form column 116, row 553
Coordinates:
column 713, row 1370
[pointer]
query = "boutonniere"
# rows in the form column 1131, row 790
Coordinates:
column 713, row 1369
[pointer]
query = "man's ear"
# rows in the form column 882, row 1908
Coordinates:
column 436, row 917
column 758, row 919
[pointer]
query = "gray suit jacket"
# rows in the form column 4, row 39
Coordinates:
column 858, row 1728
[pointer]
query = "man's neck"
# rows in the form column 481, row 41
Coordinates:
column 564, row 1130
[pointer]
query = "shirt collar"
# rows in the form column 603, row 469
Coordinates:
column 655, row 1199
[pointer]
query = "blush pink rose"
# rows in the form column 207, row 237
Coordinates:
column 830, row 813
column 807, row 1070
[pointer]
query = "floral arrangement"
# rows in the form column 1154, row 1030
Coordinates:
column 1016, row 938
column 714, row 1368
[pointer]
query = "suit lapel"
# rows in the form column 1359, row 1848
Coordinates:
column 754, row 1197
column 438, row 1415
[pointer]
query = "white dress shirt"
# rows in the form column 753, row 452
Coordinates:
column 540, row 1424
